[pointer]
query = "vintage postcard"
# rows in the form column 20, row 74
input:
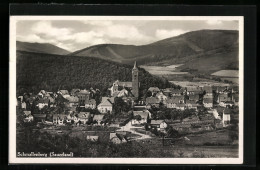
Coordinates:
column 126, row 89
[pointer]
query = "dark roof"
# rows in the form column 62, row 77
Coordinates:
column 84, row 115
column 39, row 115
column 144, row 114
column 175, row 99
column 98, row 117
column 190, row 102
column 156, row 122
column 44, row 100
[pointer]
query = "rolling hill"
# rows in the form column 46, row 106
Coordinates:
column 40, row 48
column 36, row 71
column 197, row 50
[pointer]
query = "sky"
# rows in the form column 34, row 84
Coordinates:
column 74, row 35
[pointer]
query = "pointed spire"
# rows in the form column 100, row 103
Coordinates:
column 135, row 65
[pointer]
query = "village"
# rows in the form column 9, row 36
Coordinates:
column 123, row 115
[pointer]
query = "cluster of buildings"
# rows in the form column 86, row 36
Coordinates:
column 180, row 99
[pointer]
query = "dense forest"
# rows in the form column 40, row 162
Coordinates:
column 36, row 71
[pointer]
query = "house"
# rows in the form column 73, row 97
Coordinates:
column 194, row 97
column 28, row 116
column 90, row 104
column 171, row 102
column 158, row 124
column 222, row 90
column 152, row 101
column 106, row 105
column 83, row 95
column 59, row 119
column 98, row 118
column 63, row 92
column 41, row 103
column 74, row 92
column 167, row 92
column 83, row 117
column 191, row 104
column 162, row 98
column 73, row 101
column 140, row 117
column 117, row 138
column 177, row 92
column 118, row 85
column 191, row 90
column 154, row 90
column 208, row 90
column 223, row 97
column 39, row 117
column 180, row 106
column 226, row 117
column 23, row 105
column 42, row 93
column 208, row 102
column 214, row 112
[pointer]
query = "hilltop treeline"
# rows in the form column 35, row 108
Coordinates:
column 36, row 71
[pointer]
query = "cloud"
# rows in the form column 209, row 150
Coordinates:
column 98, row 23
column 162, row 33
column 214, row 22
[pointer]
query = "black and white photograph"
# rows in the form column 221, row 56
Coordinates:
column 126, row 89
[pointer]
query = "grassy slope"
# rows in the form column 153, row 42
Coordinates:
column 196, row 50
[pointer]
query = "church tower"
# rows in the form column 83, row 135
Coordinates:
column 135, row 82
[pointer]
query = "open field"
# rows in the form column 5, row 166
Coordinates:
column 163, row 70
column 226, row 73
column 202, row 83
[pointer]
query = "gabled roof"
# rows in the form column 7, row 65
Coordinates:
column 175, row 99
column 154, row 89
column 91, row 101
column 144, row 114
column 27, row 113
column 110, row 99
column 177, row 91
column 156, row 122
column 160, row 94
column 64, row 92
column 180, row 105
column 125, row 84
column 194, row 89
column 60, row 116
column 72, row 99
column 98, row 117
column 84, row 92
column 152, row 100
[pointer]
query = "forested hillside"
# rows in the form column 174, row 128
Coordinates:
column 36, row 71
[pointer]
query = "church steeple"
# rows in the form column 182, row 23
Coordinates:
column 135, row 81
column 135, row 66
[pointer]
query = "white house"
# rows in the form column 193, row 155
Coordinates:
column 208, row 102
column 158, row 124
column 106, row 105
column 162, row 98
column 226, row 117
column 84, row 117
column 90, row 103
column 42, row 103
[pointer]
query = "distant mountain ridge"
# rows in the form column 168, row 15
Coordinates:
column 40, row 48
column 197, row 50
